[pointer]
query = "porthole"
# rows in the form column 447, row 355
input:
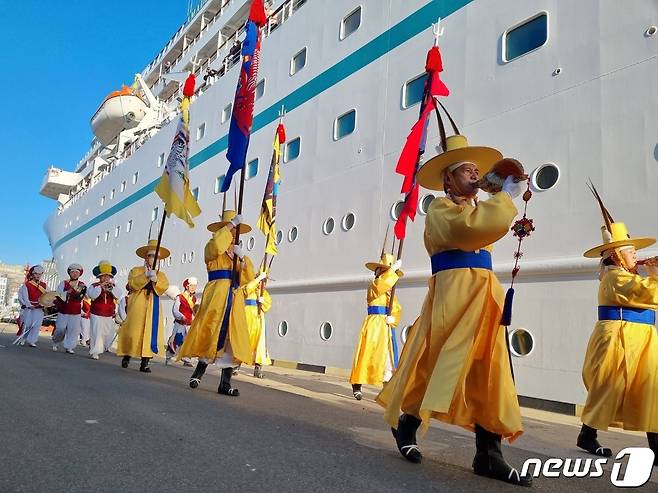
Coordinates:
column 521, row 342
column 279, row 237
column 348, row 221
column 292, row 234
column 396, row 210
column 326, row 331
column 184, row 259
column 328, row 225
column 168, row 261
column 651, row 32
column 405, row 333
column 250, row 243
column 283, row 328
column 425, row 202
column 241, row 243
column 545, row 177
column 191, row 256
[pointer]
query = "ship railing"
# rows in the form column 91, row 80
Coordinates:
column 275, row 19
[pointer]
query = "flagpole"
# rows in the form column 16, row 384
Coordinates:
column 437, row 30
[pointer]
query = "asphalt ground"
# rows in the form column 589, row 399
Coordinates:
column 69, row 424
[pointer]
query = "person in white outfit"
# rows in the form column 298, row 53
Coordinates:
column 32, row 311
column 104, row 297
column 122, row 308
column 183, row 312
column 68, row 324
column 85, row 323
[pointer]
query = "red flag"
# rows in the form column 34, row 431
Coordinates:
column 415, row 145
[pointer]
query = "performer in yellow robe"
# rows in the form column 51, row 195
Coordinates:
column 373, row 357
column 219, row 335
column 142, row 332
column 620, row 370
column 257, row 303
column 455, row 364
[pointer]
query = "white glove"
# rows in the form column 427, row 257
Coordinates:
column 261, row 276
column 512, row 188
column 390, row 320
column 261, row 300
column 152, row 275
column 238, row 251
column 236, row 220
column 396, row 265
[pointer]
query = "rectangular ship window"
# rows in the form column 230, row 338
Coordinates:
column 117, row 230
column 200, row 131
column 195, row 192
column 260, row 89
column 412, row 91
column 293, row 148
column 350, row 23
column 298, row 62
column 123, row 186
column 129, row 226
column 525, row 37
column 226, row 113
column 135, row 177
column 219, row 181
column 161, row 160
column 154, row 214
column 344, row 125
column 252, row 169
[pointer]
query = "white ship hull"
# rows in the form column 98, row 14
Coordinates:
column 585, row 101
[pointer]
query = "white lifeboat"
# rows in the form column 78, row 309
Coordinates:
column 121, row 110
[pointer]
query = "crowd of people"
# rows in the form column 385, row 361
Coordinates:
column 455, row 365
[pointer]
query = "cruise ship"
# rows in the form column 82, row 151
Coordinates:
column 568, row 88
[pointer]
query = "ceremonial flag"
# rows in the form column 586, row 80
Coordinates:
column 174, row 185
column 415, row 145
column 267, row 218
column 243, row 105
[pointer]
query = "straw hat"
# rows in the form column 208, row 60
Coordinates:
column 226, row 219
column 384, row 263
column 617, row 237
column 457, row 152
column 142, row 251
column 104, row 267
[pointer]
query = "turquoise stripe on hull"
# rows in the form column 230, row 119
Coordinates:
column 400, row 33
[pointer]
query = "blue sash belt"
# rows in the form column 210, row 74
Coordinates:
column 249, row 302
column 636, row 315
column 377, row 310
column 458, row 259
column 215, row 275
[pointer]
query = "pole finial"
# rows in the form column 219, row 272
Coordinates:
column 437, row 29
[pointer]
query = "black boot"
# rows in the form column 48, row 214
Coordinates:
column 587, row 441
column 653, row 445
column 125, row 361
column 225, row 383
column 258, row 371
column 144, row 366
column 356, row 391
column 405, row 437
column 198, row 372
column 489, row 460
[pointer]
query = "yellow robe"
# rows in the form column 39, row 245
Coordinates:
column 137, row 330
column 256, row 321
column 620, row 370
column 201, row 340
column 375, row 345
column 454, row 366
